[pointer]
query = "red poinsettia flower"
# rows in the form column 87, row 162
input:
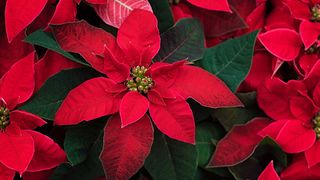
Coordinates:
column 295, row 108
column 23, row 149
column 288, row 48
column 132, row 87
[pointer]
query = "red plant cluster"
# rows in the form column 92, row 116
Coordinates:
column 140, row 97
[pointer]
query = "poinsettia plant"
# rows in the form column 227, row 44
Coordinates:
column 159, row 89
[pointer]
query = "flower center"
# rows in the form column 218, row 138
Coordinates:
column 315, row 13
column 4, row 117
column 139, row 80
column 316, row 122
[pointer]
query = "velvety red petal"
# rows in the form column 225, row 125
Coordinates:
column 312, row 79
column 41, row 22
column 179, row 13
column 156, row 98
column 174, row 120
column 66, row 11
column 309, row 33
column 18, row 83
column 26, row 120
column 114, row 69
column 20, row 13
column 125, row 149
column 273, row 97
column 238, row 144
column 16, row 151
column 140, row 45
column 295, row 138
column 273, row 129
column 255, row 19
column 283, row 43
column 204, row 87
column 164, row 74
column 49, row 65
column 6, row 173
column 11, row 52
column 88, row 41
column 303, row 108
column 312, row 154
column 47, row 154
column 88, row 101
column 306, row 62
column 299, row 10
column 269, row 173
column 133, row 106
column 279, row 17
column 215, row 5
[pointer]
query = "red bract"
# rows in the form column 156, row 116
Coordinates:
column 283, row 43
column 239, row 144
column 212, row 5
column 23, row 149
column 134, row 86
column 295, row 107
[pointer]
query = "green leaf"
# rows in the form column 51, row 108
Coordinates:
column 79, row 140
column 230, row 60
column 228, row 117
column 46, row 40
column 183, row 41
column 163, row 13
column 207, row 135
column 91, row 168
column 48, row 99
column 171, row 159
